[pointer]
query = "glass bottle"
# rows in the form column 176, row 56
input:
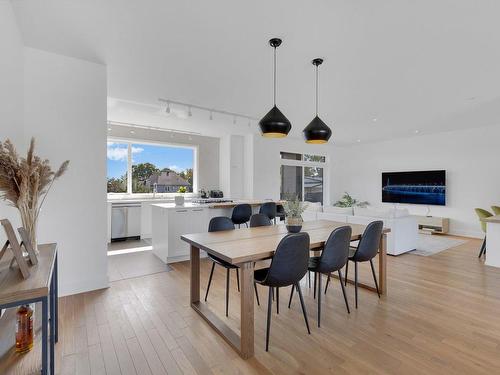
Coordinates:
column 24, row 329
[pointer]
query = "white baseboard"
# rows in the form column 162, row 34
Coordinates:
column 83, row 286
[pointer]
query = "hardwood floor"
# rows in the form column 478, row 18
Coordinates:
column 441, row 316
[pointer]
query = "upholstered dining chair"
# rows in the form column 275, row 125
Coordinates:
column 241, row 214
column 269, row 209
column 216, row 224
column 482, row 214
column 365, row 252
column 259, row 220
column 333, row 258
column 288, row 267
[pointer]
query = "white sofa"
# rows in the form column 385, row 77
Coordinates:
column 404, row 228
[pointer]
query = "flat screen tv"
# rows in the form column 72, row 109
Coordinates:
column 420, row 187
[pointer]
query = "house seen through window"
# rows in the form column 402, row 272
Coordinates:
column 150, row 168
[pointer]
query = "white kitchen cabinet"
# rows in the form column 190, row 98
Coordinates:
column 169, row 224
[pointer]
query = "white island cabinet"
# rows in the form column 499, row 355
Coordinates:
column 169, row 222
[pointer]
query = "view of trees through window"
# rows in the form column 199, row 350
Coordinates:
column 302, row 176
column 154, row 168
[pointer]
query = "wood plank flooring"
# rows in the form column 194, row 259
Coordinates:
column 441, row 316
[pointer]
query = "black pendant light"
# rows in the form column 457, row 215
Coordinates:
column 274, row 124
column 317, row 131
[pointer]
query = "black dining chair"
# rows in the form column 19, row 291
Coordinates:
column 288, row 267
column 259, row 220
column 269, row 209
column 241, row 214
column 333, row 258
column 280, row 212
column 365, row 252
column 216, row 224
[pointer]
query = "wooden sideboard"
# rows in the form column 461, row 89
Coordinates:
column 433, row 224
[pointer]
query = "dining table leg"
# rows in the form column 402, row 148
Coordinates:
column 195, row 275
column 382, row 264
column 247, row 310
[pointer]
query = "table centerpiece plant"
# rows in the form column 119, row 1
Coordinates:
column 294, row 208
column 25, row 183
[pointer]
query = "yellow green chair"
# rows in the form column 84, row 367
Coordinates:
column 496, row 210
column 482, row 214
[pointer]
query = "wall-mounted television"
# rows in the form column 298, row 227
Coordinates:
column 419, row 187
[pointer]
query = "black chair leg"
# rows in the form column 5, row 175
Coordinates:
column 346, row 271
column 269, row 308
column 309, row 278
column 303, row 306
column 210, row 280
column 238, row 278
column 319, row 298
column 327, row 282
column 227, row 291
column 315, row 283
column 256, row 293
column 374, row 277
column 291, row 296
column 246, row 224
column 343, row 292
column 356, row 282
column 277, row 300
column 483, row 248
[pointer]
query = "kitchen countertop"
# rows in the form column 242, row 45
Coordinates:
column 213, row 205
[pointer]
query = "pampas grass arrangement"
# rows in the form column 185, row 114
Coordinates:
column 25, row 183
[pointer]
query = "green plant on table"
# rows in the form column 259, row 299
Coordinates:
column 348, row 201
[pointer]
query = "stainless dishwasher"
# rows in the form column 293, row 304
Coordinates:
column 125, row 221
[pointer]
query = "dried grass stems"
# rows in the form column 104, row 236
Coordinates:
column 25, row 182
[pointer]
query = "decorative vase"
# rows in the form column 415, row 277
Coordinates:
column 179, row 200
column 293, row 224
column 29, row 222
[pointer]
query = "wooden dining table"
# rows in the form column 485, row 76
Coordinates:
column 243, row 247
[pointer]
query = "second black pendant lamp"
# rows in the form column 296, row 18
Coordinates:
column 274, row 124
column 317, row 131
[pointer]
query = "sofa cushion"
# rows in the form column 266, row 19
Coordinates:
column 338, row 210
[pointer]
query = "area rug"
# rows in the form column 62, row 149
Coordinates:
column 432, row 244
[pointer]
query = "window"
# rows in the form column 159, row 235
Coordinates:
column 147, row 168
column 291, row 182
column 302, row 176
column 117, row 167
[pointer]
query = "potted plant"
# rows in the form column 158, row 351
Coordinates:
column 25, row 183
column 348, row 201
column 294, row 208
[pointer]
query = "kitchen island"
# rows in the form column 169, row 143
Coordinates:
column 169, row 222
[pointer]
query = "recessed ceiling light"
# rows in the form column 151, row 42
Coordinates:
column 109, row 129
column 374, row 119
column 359, row 140
column 132, row 132
column 417, row 131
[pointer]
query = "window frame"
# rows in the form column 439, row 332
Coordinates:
column 129, row 142
column 316, row 164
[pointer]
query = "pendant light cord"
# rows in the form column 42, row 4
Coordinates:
column 274, row 75
column 317, row 90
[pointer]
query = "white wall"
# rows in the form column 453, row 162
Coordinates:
column 267, row 164
column 470, row 158
column 232, row 161
column 208, row 149
column 11, row 94
column 65, row 110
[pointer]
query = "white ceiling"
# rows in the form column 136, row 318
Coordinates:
column 427, row 65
